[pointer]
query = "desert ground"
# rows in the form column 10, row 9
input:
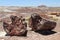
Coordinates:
column 31, row 35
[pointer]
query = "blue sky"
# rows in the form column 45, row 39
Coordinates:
column 30, row 2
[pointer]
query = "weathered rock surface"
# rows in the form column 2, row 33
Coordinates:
column 17, row 27
column 38, row 23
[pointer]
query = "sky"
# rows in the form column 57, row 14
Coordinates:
column 53, row 3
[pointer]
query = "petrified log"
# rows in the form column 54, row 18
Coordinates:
column 16, row 28
column 38, row 23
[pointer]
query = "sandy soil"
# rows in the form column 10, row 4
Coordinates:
column 31, row 35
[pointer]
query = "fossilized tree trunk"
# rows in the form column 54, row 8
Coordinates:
column 17, row 27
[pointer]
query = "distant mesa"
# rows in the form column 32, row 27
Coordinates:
column 42, row 6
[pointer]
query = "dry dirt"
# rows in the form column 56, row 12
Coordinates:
column 31, row 35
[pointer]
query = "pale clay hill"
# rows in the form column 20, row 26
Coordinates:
column 17, row 10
